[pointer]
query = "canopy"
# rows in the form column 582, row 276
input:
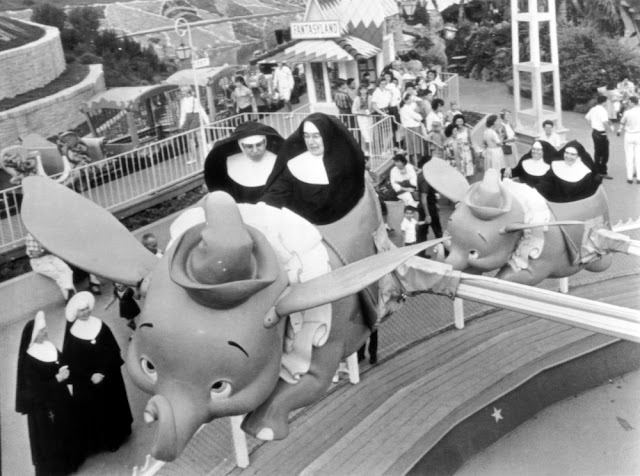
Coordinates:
column 126, row 98
column 204, row 76
column 348, row 48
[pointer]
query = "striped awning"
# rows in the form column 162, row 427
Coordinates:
column 348, row 48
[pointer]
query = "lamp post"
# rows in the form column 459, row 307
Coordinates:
column 409, row 7
column 183, row 28
column 450, row 31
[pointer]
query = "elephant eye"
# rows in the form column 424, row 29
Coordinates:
column 220, row 389
column 473, row 254
column 149, row 369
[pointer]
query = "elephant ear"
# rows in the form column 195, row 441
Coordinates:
column 82, row 233
column 347, row 280
column 445, row 179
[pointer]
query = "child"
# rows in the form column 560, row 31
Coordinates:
column 454, row 108
column 150, row 242
column 129, row 308
column 409, row 224
column 438, row 139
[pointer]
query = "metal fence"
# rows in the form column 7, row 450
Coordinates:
column 116, row 182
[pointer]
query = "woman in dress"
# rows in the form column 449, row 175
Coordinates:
column 42, row 394
column 460, row 132
column 411, row 119
column 324, row 174
column 243, row 97
column 572, row 178
column 493, row 155
column 191, row 112
column 508, row 136
column 242, row 163
column 93, row 354
column 361, row 107
column 533, row 165
column 404, row 180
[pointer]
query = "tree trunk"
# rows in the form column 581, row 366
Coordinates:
column 461, row 11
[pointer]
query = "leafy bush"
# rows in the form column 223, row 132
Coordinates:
column 487, row 48
column 85, row 21
column 51, row 15
column 588, row 61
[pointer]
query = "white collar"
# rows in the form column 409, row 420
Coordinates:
column 309, row 168
column 248, row 172
column 570, row 173
column 537, row 167
column 45, row 351
column 86, row 330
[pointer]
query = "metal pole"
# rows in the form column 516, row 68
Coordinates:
column 180, row 26
column 215, row 22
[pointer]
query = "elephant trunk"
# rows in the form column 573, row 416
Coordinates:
column 459, row 261
column 177, row 423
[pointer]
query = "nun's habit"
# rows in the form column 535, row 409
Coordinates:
column 530, row 170
column 228, row 169
column 567, row 183
column 48, row 404
column 343, row 160
column 90, row 348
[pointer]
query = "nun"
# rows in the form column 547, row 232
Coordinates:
column 242, row 163
column 533, row 166
column 571, row 178
column 101, row 399
column 43, row 394
column 322, row 177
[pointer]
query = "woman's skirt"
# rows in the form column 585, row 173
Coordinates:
column 364, row 124
column 493, row 158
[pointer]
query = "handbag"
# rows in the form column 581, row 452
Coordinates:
column 507, row 149
column 192, row 121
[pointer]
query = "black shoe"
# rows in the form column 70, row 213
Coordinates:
column 95, row 289
column 630, row 181
column 373, row 360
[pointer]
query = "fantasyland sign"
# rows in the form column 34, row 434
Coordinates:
column 306, row 30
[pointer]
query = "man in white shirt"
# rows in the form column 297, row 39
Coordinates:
column 283, row 83
column 630, row 122
column 598, row 119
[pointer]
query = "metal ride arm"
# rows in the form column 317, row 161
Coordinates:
column 419, row 275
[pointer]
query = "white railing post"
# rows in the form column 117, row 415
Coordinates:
column 239, row 441
column 458, row 313
column 564, row 285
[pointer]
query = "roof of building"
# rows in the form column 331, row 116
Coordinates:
column 360, row 18
column 341, row 49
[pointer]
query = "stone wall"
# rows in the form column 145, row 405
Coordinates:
column 53, row 114
column 33, row 65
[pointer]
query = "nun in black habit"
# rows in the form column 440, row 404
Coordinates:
column 533, row 165
column 242, row 163
column 323, row 174
column 94, row 357
column 42, row 394
column 572, row 177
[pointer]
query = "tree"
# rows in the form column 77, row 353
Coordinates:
column 86, row 21
column 51, row 15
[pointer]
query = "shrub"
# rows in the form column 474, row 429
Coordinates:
column 588, row 61
column 51, row 15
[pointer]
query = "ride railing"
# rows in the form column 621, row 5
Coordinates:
column 115, row 182
column 451, row 92
column 119, row 181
